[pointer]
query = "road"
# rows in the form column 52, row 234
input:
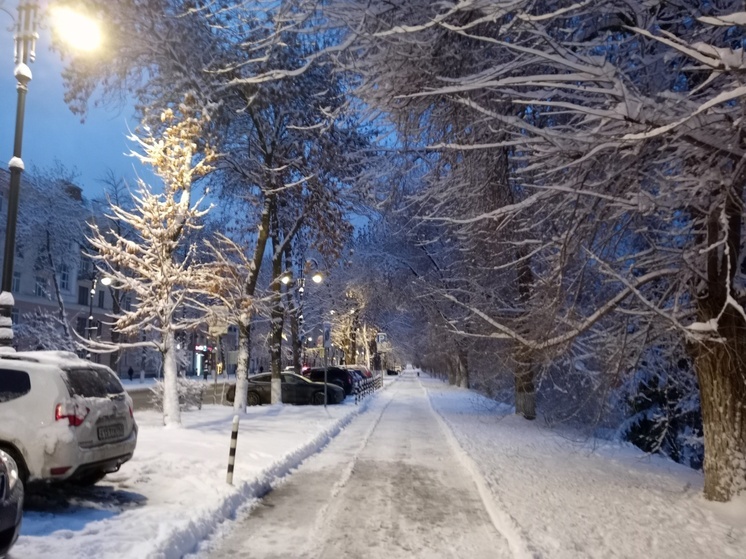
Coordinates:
column 141, row 396
column 389, row 486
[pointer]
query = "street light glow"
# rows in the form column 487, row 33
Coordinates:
column 75, row 29
column 317, row 277
column 285, row 279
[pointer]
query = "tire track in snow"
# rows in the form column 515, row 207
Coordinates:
column 504, row 523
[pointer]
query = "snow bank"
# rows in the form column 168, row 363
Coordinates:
column 173, row 493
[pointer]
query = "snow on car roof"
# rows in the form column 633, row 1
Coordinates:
column 47, row 357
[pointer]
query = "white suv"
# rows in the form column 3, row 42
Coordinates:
column 63, row 418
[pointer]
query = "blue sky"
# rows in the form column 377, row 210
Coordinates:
column 52, row 132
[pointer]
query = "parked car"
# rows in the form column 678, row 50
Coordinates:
column 63, row 418
column 364, row 370
column 11, row 502
column 335, row 375
column 359, row 377
column 295, row 390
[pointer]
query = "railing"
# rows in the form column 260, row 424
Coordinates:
column 368, row 386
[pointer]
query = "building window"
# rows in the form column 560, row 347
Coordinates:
column 101, row 295
column 126, row 304
column 15, row 316
column 65, row 277
column 16, row 285
column 82, row 295
column 40, row 289
column 99, row 328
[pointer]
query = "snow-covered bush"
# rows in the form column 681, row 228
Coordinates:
column 662, row 408
column 190, row 394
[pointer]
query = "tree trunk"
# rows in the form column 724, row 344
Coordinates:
column 171, row 411
column 296, row 339
column 366, row 345
column 721, row 373
column 242, row 366
column 525, row 391
column 278, row 311
column 462, row 370
column 61, row 312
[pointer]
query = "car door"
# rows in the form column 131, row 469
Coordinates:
column 261, row 385
column 291, row 389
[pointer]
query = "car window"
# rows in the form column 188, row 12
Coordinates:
column 290, row 379
column 92, row 383
column 13, row 384
column 261, row 378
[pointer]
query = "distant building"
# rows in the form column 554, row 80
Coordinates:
column 33, row 286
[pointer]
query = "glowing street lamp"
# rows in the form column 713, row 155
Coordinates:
column 26, row 36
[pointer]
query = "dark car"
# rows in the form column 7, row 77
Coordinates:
column 295, row 390
column 11, row 502
column 335, row 375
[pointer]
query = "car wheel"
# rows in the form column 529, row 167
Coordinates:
column 22, row 469
column 254, row 399
column 318, row 398
column 91, row 478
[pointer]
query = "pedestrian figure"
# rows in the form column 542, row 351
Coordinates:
column 130, row 373
column 261, row 369
column 418, row 373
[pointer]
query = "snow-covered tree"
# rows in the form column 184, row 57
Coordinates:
column 623, row 131
column 151, row 266
column 51, row 234
column 40, row 330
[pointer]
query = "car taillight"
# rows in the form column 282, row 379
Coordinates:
column 74, row 413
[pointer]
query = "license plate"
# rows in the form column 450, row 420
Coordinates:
column 107, row 432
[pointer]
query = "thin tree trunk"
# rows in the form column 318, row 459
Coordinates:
column 61, row 312
column 242, row 366
column 171, row 410
column 525, row 392
column 277, row 313
column 462, row 371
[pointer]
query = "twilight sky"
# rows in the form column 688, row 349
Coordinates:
column 52, row 132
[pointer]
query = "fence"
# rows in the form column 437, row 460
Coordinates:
column 368, row 386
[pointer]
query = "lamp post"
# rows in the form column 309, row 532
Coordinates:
column 25, row 52
column 298, row 332
column 89, row 322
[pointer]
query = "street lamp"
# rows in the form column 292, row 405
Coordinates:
column 25, row 53
column 89, row 323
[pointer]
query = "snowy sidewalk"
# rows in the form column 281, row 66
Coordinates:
column 570, row 499
column 551, row 497
column 390, row 485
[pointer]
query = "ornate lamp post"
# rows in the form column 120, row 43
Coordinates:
column 25, row 53
column 89, row 323
column 298, row 331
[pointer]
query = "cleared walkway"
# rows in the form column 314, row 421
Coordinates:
column 389, row 486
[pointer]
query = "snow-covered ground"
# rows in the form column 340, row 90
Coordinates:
column 551, row 495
